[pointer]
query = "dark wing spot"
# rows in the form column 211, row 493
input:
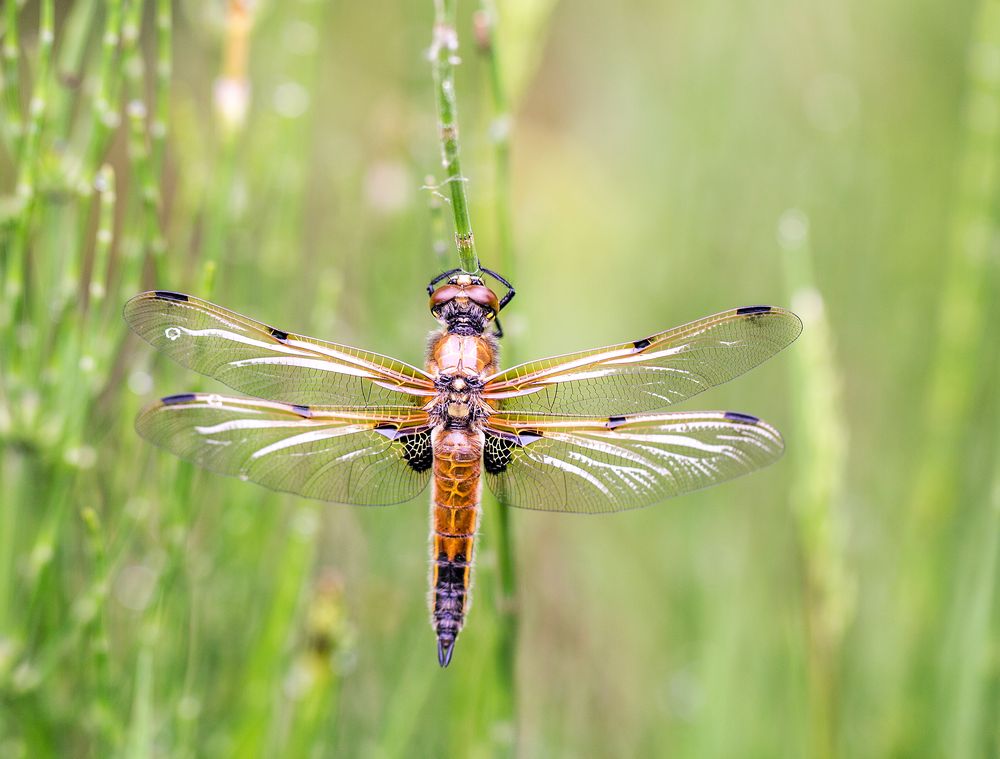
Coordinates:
column 497, row 453
column 172, row 400
column 641, row 345
column 277, row 334
column 303, row 411
column 736, row 416
column 169, row 295
column 417, row 450
column 745, row 310
column 615, row 421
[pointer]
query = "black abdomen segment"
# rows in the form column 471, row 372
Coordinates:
column 449, row 604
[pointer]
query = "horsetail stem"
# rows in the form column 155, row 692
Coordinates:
column 485, row 24
column 13, row 121
column 444, row 57
column 164, row 68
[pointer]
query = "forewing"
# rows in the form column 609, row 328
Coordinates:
column 374, row 456
column 569, row 464
column 266, row 362
column 647, row 374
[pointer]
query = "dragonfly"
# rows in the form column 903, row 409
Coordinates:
column 583, row 432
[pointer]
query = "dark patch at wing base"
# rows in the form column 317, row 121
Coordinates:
column 497, row 453
column 417, row 450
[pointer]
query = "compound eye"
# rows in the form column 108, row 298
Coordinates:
column 483, row 296
column 441, row 296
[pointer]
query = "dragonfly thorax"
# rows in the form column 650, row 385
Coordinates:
column 459, row 403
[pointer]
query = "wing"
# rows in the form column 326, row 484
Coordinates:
column 266, row 362
column 553, row 463
column 647, row 374
column 362, row 456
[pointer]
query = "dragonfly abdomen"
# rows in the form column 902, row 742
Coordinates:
column 455, row 500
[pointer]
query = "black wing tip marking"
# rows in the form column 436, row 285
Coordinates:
column 750, row 310
column 615, row 421
column 278, row 334
column 303, row 411
column 173, row 400
column 171, row 295
column 736, row 416
column 641, row 345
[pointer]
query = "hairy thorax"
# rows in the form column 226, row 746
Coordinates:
column 459, row 365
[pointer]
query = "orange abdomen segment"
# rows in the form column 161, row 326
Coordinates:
column 454, row 518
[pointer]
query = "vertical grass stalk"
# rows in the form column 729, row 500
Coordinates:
column 232, row 102
column 817, row 489
column 967, row 290
column 486, row 38
column 444, row 56
column 485, row 22
column 141, row 141
column 28, row 172
column 13, row 116
column 959, row 379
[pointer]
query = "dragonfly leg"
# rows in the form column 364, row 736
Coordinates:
column 439, row 277
column 509, row 295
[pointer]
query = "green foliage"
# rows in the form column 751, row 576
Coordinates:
column 634, row 166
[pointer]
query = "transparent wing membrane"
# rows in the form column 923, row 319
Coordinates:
column 650, row 373
column 266, row 362
column 573, row 464
column 375, row 456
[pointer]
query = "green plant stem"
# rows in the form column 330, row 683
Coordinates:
column 507, row 606
column 164, row 69
column 958, row 375
column 819, row 457
column 18, row 270
column 444, row 53
column 106, row 116
column 13, row 120
column 486, row 33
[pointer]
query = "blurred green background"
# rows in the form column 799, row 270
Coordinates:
column 668, row 160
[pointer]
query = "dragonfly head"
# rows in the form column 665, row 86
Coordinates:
column 465, row 305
